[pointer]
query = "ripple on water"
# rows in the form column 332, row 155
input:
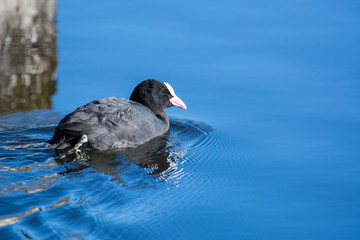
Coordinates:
column 201, row 145
column 86, row 187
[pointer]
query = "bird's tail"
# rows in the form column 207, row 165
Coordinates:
column 66, row 138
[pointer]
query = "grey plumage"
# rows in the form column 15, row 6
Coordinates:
column 115, row 123
column 111, row 123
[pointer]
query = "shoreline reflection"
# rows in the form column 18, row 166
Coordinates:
column 28, row 55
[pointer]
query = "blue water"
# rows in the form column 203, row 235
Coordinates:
column 268, row 148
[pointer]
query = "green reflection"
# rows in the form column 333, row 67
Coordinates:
column 28, row 58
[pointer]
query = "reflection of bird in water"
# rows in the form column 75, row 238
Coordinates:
column 154, row 156
column 161, row 159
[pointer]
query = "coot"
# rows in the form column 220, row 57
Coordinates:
column 114, row 122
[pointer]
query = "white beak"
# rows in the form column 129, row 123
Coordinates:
column 175, row 100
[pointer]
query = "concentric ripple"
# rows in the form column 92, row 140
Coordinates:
column 100, row 187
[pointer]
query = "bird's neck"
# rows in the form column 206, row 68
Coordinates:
column 162, row 116
column 158, row 112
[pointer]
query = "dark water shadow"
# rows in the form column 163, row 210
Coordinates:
column 160, row 159
column 152, row 155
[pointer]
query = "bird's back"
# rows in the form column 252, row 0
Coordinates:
column 110, row 123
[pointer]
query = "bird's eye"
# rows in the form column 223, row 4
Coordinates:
column 164, row 92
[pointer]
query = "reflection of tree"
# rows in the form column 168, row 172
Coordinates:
column 27, row 54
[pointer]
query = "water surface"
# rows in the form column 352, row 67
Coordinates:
column 268, row 148
column 101, row 193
